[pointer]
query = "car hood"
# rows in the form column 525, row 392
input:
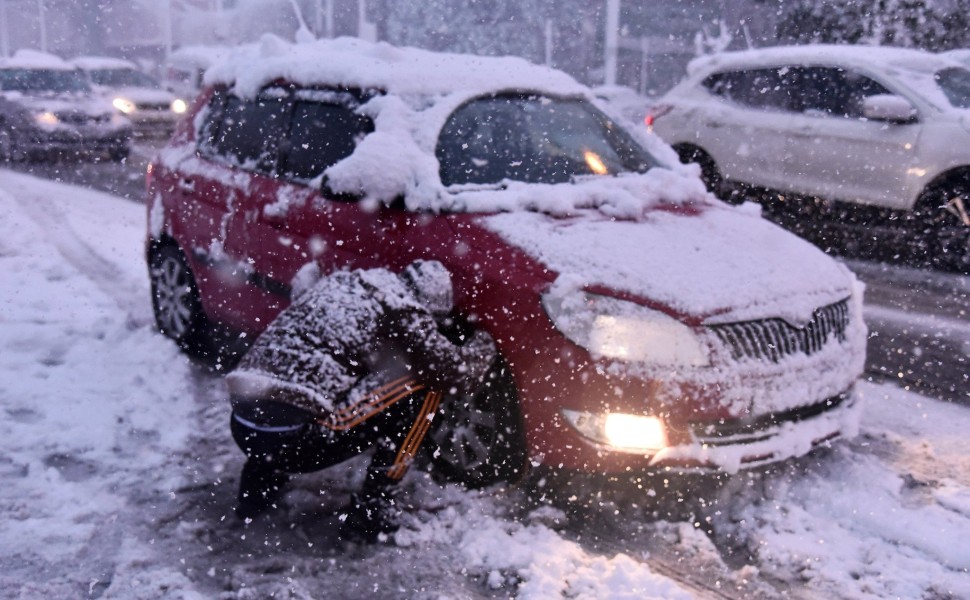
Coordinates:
column 140, row 95
column 712, row 264
column 65, row 104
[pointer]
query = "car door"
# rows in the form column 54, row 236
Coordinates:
column 746, row 132
column 834, row 151
column 238, row 157
column 301, row 223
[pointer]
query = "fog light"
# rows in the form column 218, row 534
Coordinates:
column 621, row 431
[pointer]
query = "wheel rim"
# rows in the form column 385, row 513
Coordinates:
column 466, row 441
column 958, row 209
column 174, row 297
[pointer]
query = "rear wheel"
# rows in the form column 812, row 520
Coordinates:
column 175, row 296
column 480, row 438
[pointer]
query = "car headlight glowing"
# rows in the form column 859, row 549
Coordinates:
column 621, row 431
column 613, row 328
column 179, row 106
column 124, row 105
column 46, row 118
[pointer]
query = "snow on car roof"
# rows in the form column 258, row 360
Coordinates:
column 198, row 56
column 857, row 55
column 35, row 59
column 93, row 63
column 353, row 62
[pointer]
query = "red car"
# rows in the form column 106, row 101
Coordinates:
column 642, row 323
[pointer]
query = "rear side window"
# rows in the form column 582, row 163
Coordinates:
column 245, row 132
column 755, row 88
column 955, row 83
column 322, row 133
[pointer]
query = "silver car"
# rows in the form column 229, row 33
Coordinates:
column 47, row 109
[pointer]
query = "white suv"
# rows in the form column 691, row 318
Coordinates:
column 887, row 128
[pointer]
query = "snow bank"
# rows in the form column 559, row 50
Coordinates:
column 95, row 403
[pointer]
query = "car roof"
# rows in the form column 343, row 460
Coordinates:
column 356, row 63
column 35, row 59
column 93, row 63
column 879, row 57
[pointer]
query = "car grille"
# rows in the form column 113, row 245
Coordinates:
column 82, row 119
column 154, row 105
column 748, row 431
column 774, row 339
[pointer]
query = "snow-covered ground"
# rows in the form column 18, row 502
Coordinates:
column 117, row 475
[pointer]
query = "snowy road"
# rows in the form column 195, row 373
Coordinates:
column 117, row 474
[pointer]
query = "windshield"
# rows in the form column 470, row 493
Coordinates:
column 955, row 83
column 536, row 139
column 122, row 78
column 42, row 80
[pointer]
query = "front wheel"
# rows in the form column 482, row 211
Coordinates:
column 175, row 297
column 942, row 222
column 480, row 438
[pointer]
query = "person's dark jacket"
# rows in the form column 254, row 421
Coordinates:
column 350, row 332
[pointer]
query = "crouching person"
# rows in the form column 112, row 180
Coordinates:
column 356, row 362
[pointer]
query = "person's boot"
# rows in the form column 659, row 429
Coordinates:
column 260, row 487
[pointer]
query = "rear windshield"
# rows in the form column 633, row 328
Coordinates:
column 42, row 80
column 535, row 139
column 955, row 83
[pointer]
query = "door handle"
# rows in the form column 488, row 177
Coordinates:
column 186, row 185
column 713, row 124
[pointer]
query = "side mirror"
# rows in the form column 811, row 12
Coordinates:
column 888, row 107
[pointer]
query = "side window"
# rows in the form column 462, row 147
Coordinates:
column 249, row 130
column 320, row 135
column 478, row 141
column 754, row 88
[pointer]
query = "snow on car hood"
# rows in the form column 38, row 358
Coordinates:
column 719, row 263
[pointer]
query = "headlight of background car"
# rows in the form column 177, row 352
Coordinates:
column 46, row 119
column 613, row 328
column 124, row 105
column 179, row 106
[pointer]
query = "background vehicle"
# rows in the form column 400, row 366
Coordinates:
column 47, row 108
column 152, row 110
column 642, row 323
column 185, row 67
column 881, row 129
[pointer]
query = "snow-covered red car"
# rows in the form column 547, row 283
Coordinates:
column 153, row 110
column 642, row 323
column 47, row 107
column 883, row 130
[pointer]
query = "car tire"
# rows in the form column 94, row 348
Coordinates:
column 175, row 297
column 8, row 147
column 941, row 218
column 479, row 439
column 120, row 153
column 710, row 174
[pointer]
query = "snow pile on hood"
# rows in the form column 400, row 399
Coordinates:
column 701, row 264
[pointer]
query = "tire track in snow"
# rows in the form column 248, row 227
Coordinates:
column 128, row 293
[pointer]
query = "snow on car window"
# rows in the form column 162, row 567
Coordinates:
column 955, row 83
column 417, row 92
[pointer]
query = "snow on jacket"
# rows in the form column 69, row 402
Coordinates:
column 350, row 326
